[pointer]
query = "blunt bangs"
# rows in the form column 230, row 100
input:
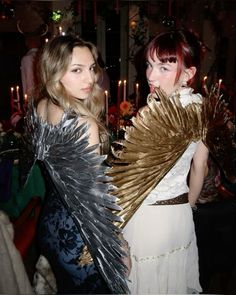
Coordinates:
column 167, row 48
column 162, row 51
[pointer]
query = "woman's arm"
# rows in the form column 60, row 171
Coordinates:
column 93, row 132
column 197, row 173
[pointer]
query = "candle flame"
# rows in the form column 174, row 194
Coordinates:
column 219, row 86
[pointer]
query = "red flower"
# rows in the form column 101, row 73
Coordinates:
column 125, row 108
column 112, row 110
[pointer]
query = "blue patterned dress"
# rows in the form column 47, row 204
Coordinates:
column 61, row 243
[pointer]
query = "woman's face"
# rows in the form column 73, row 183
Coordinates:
column 80, row 75
column 162, row 75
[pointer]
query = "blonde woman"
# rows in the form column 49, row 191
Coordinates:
column 76, row 232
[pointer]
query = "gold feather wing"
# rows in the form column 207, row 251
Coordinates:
column 160, row 134
column 220, row 136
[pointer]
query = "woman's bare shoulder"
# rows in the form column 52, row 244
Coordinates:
column 41, row 107
column 90, row 121
column 49, row 112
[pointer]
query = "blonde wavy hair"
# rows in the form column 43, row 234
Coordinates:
column 54, row 60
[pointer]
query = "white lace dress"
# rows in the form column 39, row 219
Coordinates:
column 162, row 238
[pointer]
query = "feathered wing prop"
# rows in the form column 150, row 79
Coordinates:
column 220, row 136
column 79, row 177
column 160, row 134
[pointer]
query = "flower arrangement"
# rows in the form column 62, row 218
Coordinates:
column 113, row 117
column 127, row 111
column 119, row 118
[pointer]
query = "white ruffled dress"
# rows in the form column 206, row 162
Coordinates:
column 162, row 238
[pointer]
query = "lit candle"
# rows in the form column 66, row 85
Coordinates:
column 18, row 97
column 12, row 100
column 46, row 40
column 219, row 85
column 60, row 30
column 137, row 94
column 204, row 86
column 124, row 91
column 106, row 106
column 118, row 94
column 25, row 101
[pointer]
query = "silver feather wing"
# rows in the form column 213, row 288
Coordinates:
column 79, row 176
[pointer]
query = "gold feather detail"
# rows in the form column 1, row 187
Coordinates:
column 220, row 137
column 161, row 132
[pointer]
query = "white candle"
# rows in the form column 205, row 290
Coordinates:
column 18, row 97
column 124, row 91
column 118, row 94
column 106, row 106
column 137, row 94
column 25, row 102
column 12, row 100
column 204, row 87
column 219, row 85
